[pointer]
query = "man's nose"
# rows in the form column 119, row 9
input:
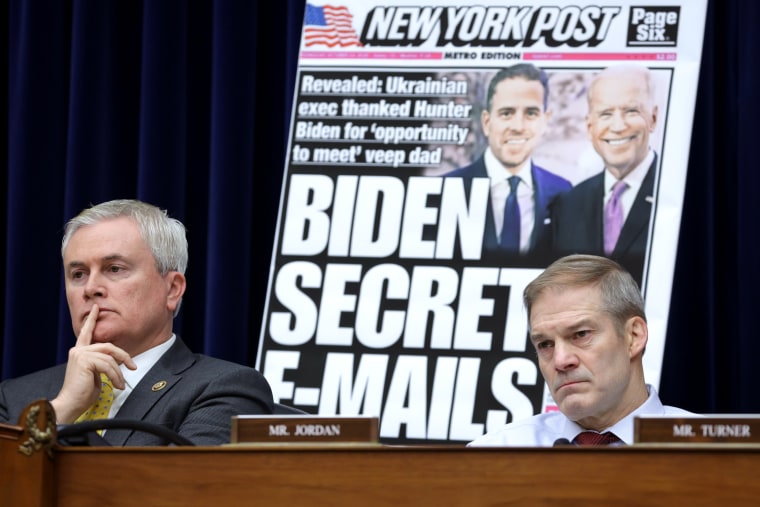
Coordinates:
column 565, row 357
column 618, row 121
column 94, row 286
column 517, row 122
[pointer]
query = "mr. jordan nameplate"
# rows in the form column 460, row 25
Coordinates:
column 303, row 429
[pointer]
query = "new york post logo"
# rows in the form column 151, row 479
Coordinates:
column 488, row 26
column 653, row 26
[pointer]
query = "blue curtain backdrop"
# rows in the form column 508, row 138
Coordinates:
column 186, row 105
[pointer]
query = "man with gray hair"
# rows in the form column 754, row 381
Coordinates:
column 124, row 270
column 609, row 213
column 587, row 324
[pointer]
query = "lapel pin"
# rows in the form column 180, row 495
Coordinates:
column 649, row 199
column 158, row 386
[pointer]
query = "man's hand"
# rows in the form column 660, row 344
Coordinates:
column 87, row 361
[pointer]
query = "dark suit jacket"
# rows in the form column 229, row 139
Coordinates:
column 200, row 396
column 578, row 222
column 547, row 186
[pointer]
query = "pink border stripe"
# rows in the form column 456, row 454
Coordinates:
column 600, row 56
column 372, row 55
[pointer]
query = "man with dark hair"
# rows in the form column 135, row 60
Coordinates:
column 124, row 263
column 514, row 120
column 588, row 326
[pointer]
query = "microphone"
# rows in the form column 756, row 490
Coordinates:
column 561, row 442
column 84, row 433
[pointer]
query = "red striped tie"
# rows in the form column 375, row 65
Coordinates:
column 594, row 438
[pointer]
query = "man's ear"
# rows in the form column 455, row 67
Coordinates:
column 654, row 119
column 176, row 285
column 485, row 122
column 637, row 335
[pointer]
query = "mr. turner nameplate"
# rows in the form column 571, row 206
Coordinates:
column 735, row 429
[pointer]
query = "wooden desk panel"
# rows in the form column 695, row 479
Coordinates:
column 26, row 458
column 376, row 475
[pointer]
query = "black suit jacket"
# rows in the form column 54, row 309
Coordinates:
column 199, row 397
column 547, row 186
column 578, row 222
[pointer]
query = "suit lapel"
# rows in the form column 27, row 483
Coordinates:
column 157, row 383
column 637, row 222
column 540, row 205
column 589, row 228
column 490, row 241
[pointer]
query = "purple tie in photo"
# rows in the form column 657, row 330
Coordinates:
column 613, row 217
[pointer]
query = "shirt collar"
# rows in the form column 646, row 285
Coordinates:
column 624, row 427
column 633, row 178
column 145, row 362
column 498, row 173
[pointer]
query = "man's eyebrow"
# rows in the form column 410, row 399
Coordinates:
column 570, row 328
column 114, row 257
column 107, row 258
column 585, row 322
column 536, row 337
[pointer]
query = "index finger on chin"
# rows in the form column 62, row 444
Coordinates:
column 85, row 334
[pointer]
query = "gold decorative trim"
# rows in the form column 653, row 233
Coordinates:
column 39, row 438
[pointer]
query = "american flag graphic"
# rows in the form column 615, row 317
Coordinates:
column 329, row 26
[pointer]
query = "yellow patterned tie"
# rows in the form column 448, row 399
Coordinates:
column 102, row 406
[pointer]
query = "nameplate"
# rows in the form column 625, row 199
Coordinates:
column 303, row 429
column 733, row 429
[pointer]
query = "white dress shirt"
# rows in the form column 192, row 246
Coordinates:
column 500, row 190
column 543, row 430
column 634, row 179
column 144, row 362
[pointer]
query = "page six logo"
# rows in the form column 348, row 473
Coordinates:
column 653, row 26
